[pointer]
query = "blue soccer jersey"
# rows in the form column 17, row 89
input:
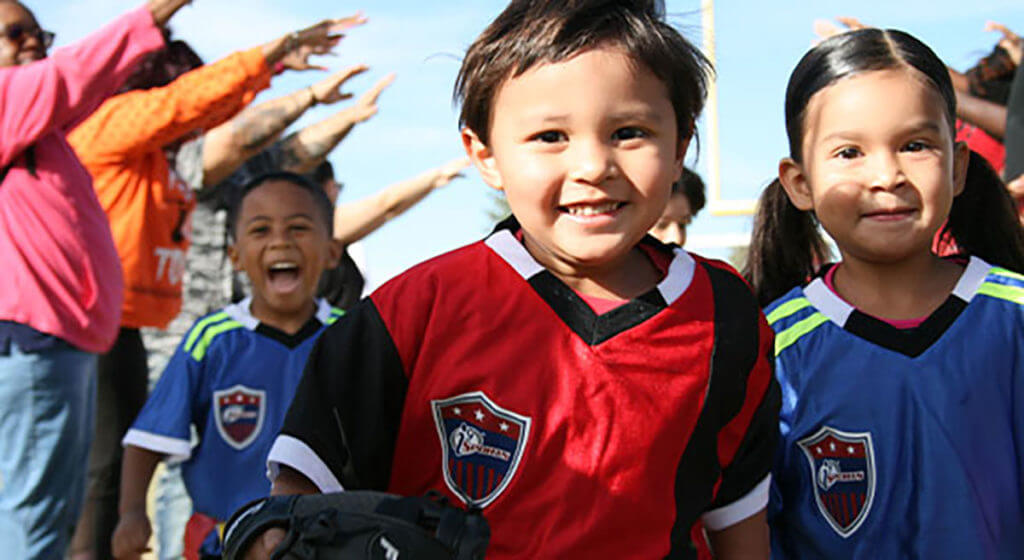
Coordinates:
column 901, row 443
column 232, row 379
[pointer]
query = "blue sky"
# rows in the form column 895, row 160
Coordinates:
column 758, row 43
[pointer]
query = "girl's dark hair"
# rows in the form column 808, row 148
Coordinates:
column 999, row 239
column 163, row 66
column 692, row 187
column 320, row 199
column 786, row 246
column 531, row 32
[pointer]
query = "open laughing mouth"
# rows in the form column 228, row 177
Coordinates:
column 284, row 276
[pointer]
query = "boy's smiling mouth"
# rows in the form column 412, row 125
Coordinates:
column 284, row 276
column 591, row 210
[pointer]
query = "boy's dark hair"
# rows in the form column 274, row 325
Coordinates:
column 320, row 200
column 531, row 32
column 786, row 246
column 163, row 66
column 691, row 186
column 321, row 173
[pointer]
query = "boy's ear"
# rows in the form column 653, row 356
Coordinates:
column 482, row 157
column 961, row 162
column 236, row 261
column 334, row 249
column 794, row 181
column 681, row 156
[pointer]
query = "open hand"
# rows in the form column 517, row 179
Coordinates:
column 366, row 105
column 318, row 39
column 1010, row 41
column 824, row 28
column 131, row 537
column 449, row 171
column 328, row 90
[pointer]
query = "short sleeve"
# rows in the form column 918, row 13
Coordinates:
column 746, row 475
column 164, row 424
column 341, row 428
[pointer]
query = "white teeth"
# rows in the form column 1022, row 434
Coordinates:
column 283, row 266
column 581, row 210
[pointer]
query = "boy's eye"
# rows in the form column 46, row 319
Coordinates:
column 848, row 153
column 259, row 230
column 629, row 133
column 549, row 136
column 915, row 146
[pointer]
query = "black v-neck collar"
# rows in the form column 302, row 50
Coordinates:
column 290, row 340
column 570, row 307
column 911, row 342
column 240, row 312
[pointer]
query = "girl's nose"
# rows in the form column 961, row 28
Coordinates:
column 885, row 171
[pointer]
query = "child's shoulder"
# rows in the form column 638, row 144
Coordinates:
column 1003, row 285
column 213, row 326
column 789, row 309
column 725, row 279
column 465, row 265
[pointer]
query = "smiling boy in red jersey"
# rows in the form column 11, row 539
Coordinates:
column 597, row 393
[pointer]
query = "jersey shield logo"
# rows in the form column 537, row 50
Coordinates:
column 481, row 446
column 238, row 413
column 843, row 474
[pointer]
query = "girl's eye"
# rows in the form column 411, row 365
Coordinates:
column 259, row 230
column 629, row 133
column 848, row 153
column 549, row 136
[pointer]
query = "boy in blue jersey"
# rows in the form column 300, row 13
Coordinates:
column 236, row 371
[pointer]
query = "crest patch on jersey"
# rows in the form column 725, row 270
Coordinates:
column 481, row 446
column 239, row 413
column 843, row 474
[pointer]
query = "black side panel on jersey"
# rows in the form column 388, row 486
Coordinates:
column 733, row 356
column 349, row 404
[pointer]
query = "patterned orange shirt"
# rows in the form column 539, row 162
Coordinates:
column 149, row 207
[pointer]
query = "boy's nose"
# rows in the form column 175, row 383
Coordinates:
column 592, row 162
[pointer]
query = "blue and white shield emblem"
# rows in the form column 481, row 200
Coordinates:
column 843, row 473
column 481, row 446
column 238, row 413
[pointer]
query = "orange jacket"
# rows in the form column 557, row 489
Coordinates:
column 149, row 207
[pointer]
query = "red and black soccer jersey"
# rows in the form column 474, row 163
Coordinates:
column 480, row 374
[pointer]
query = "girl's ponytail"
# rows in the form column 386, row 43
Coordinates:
column 785, row 247
column 983, row 220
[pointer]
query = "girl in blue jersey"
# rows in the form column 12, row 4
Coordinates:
column 902, row 372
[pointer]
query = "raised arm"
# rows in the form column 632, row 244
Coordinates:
column 355, row 220
column 197, row 100
column 162, row 10
column 989, row 116
column 304, row 150
column 229, row 145
column 51, row 94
